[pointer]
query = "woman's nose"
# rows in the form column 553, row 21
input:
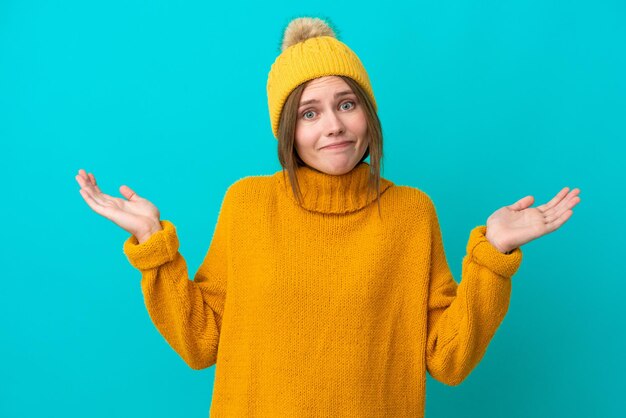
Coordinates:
column 335, row 125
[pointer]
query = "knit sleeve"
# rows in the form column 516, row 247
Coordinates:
column 187, row 313
column 463, row 318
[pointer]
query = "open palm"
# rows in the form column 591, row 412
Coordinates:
column 136, row 215
column 512, row 226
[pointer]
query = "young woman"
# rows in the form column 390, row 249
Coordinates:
column 325, row 290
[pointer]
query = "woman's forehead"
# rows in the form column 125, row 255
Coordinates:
column 325, row 80
column 326, row 84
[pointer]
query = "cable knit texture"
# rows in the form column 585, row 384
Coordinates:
column 325, row 309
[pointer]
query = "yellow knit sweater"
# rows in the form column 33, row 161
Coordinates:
column 325, row 310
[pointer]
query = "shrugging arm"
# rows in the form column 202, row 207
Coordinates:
column 463, row 318
column 187, row 313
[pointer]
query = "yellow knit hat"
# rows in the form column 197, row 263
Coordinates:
column 310, row 49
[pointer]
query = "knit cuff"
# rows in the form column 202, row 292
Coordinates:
column 484, row 253
column 157, row 250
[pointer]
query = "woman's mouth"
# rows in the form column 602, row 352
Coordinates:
column 338, row 146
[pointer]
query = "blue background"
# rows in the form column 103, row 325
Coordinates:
column 482, row 103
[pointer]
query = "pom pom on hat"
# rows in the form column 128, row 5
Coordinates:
column 310, row 49
column 303, row 28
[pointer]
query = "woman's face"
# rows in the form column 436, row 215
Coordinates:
column 329, row 113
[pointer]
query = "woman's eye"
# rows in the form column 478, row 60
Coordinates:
column 311, row 113
column 351, row 103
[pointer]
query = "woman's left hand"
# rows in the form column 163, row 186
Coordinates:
column 515, row 225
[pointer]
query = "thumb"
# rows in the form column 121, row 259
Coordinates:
column 523, row 203
column 129, row 193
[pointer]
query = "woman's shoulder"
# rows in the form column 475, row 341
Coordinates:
column 252, row 181
column 409, row 207
column 248, row 186
column 411, row 195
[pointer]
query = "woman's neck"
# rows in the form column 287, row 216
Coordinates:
column 327, row 193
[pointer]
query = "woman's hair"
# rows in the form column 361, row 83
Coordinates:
column 289, row 158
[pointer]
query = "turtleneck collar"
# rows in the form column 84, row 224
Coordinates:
column 327, row 193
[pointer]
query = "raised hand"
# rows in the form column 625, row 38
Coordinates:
column 512, row 226
column 136, row 215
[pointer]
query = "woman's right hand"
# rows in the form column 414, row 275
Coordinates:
column 136, row 215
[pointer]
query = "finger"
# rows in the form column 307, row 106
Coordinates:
column 567, row 203
column 523, row 203
column 87, row 182
column 89, row 192
column 574, row 201
column 554, row 201
column 80, row 175
column 556, row 223
column 93, row 181
column 104, row 199
column 88, row 188
column 80, row 180
column 100, row 209
column 95, row 195
column 575, row 191
column 86, row 185
column 128, row 193
column 83, row 174
column 574, row 197
column 551, row 215
column 90, row 201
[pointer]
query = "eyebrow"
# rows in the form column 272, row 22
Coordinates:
column 339, row 94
